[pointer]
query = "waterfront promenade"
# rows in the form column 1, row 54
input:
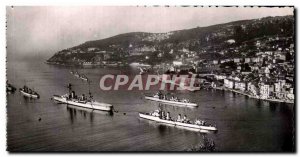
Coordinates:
column 252, row 96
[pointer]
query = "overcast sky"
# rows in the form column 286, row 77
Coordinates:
column 45, row 30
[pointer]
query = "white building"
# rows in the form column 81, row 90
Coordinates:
column 229, row 83
column 91, row 49
column 269, row 52
column 255, row 60
column 266, row 90
column 290, row 94
column 231, row 41
column 220, row 76
column 237, row 60
column 252, row 89
column 247, row 60
column 87, row 63
column 215, row 62
column 240, row 85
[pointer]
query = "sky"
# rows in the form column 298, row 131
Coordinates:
column 42, row 31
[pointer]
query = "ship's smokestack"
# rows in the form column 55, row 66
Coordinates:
column 73, row 94
column 168, row 115
column 179, row 117
column 162, row 114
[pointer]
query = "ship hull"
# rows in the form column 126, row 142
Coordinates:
column 171, row 102
column 91, row 105
column 186, row 125
column 157, row 119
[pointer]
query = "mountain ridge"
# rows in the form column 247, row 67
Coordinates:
column 208, row 39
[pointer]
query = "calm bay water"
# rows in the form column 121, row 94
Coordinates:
column 244, row 124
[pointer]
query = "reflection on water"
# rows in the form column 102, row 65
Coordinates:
column 85, row 113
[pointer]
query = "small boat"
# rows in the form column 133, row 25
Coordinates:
column 159, row 116
column 72, row 99
column 76, row 74
column 83, row 77
column 159, row 98
column 29, row 92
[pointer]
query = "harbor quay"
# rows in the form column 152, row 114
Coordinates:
column 248, row 94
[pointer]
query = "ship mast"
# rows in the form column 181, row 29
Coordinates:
column 70, row 88
column 90, row 95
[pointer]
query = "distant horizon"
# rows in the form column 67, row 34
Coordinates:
column 33, row 39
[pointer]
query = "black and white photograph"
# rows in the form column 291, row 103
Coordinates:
column 150, row 79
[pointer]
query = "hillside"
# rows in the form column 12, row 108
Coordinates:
column 239, row 38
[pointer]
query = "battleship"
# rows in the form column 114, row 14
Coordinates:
column 159, row 116
column 83, row 77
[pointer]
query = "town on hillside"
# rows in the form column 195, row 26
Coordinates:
column 255, row 57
